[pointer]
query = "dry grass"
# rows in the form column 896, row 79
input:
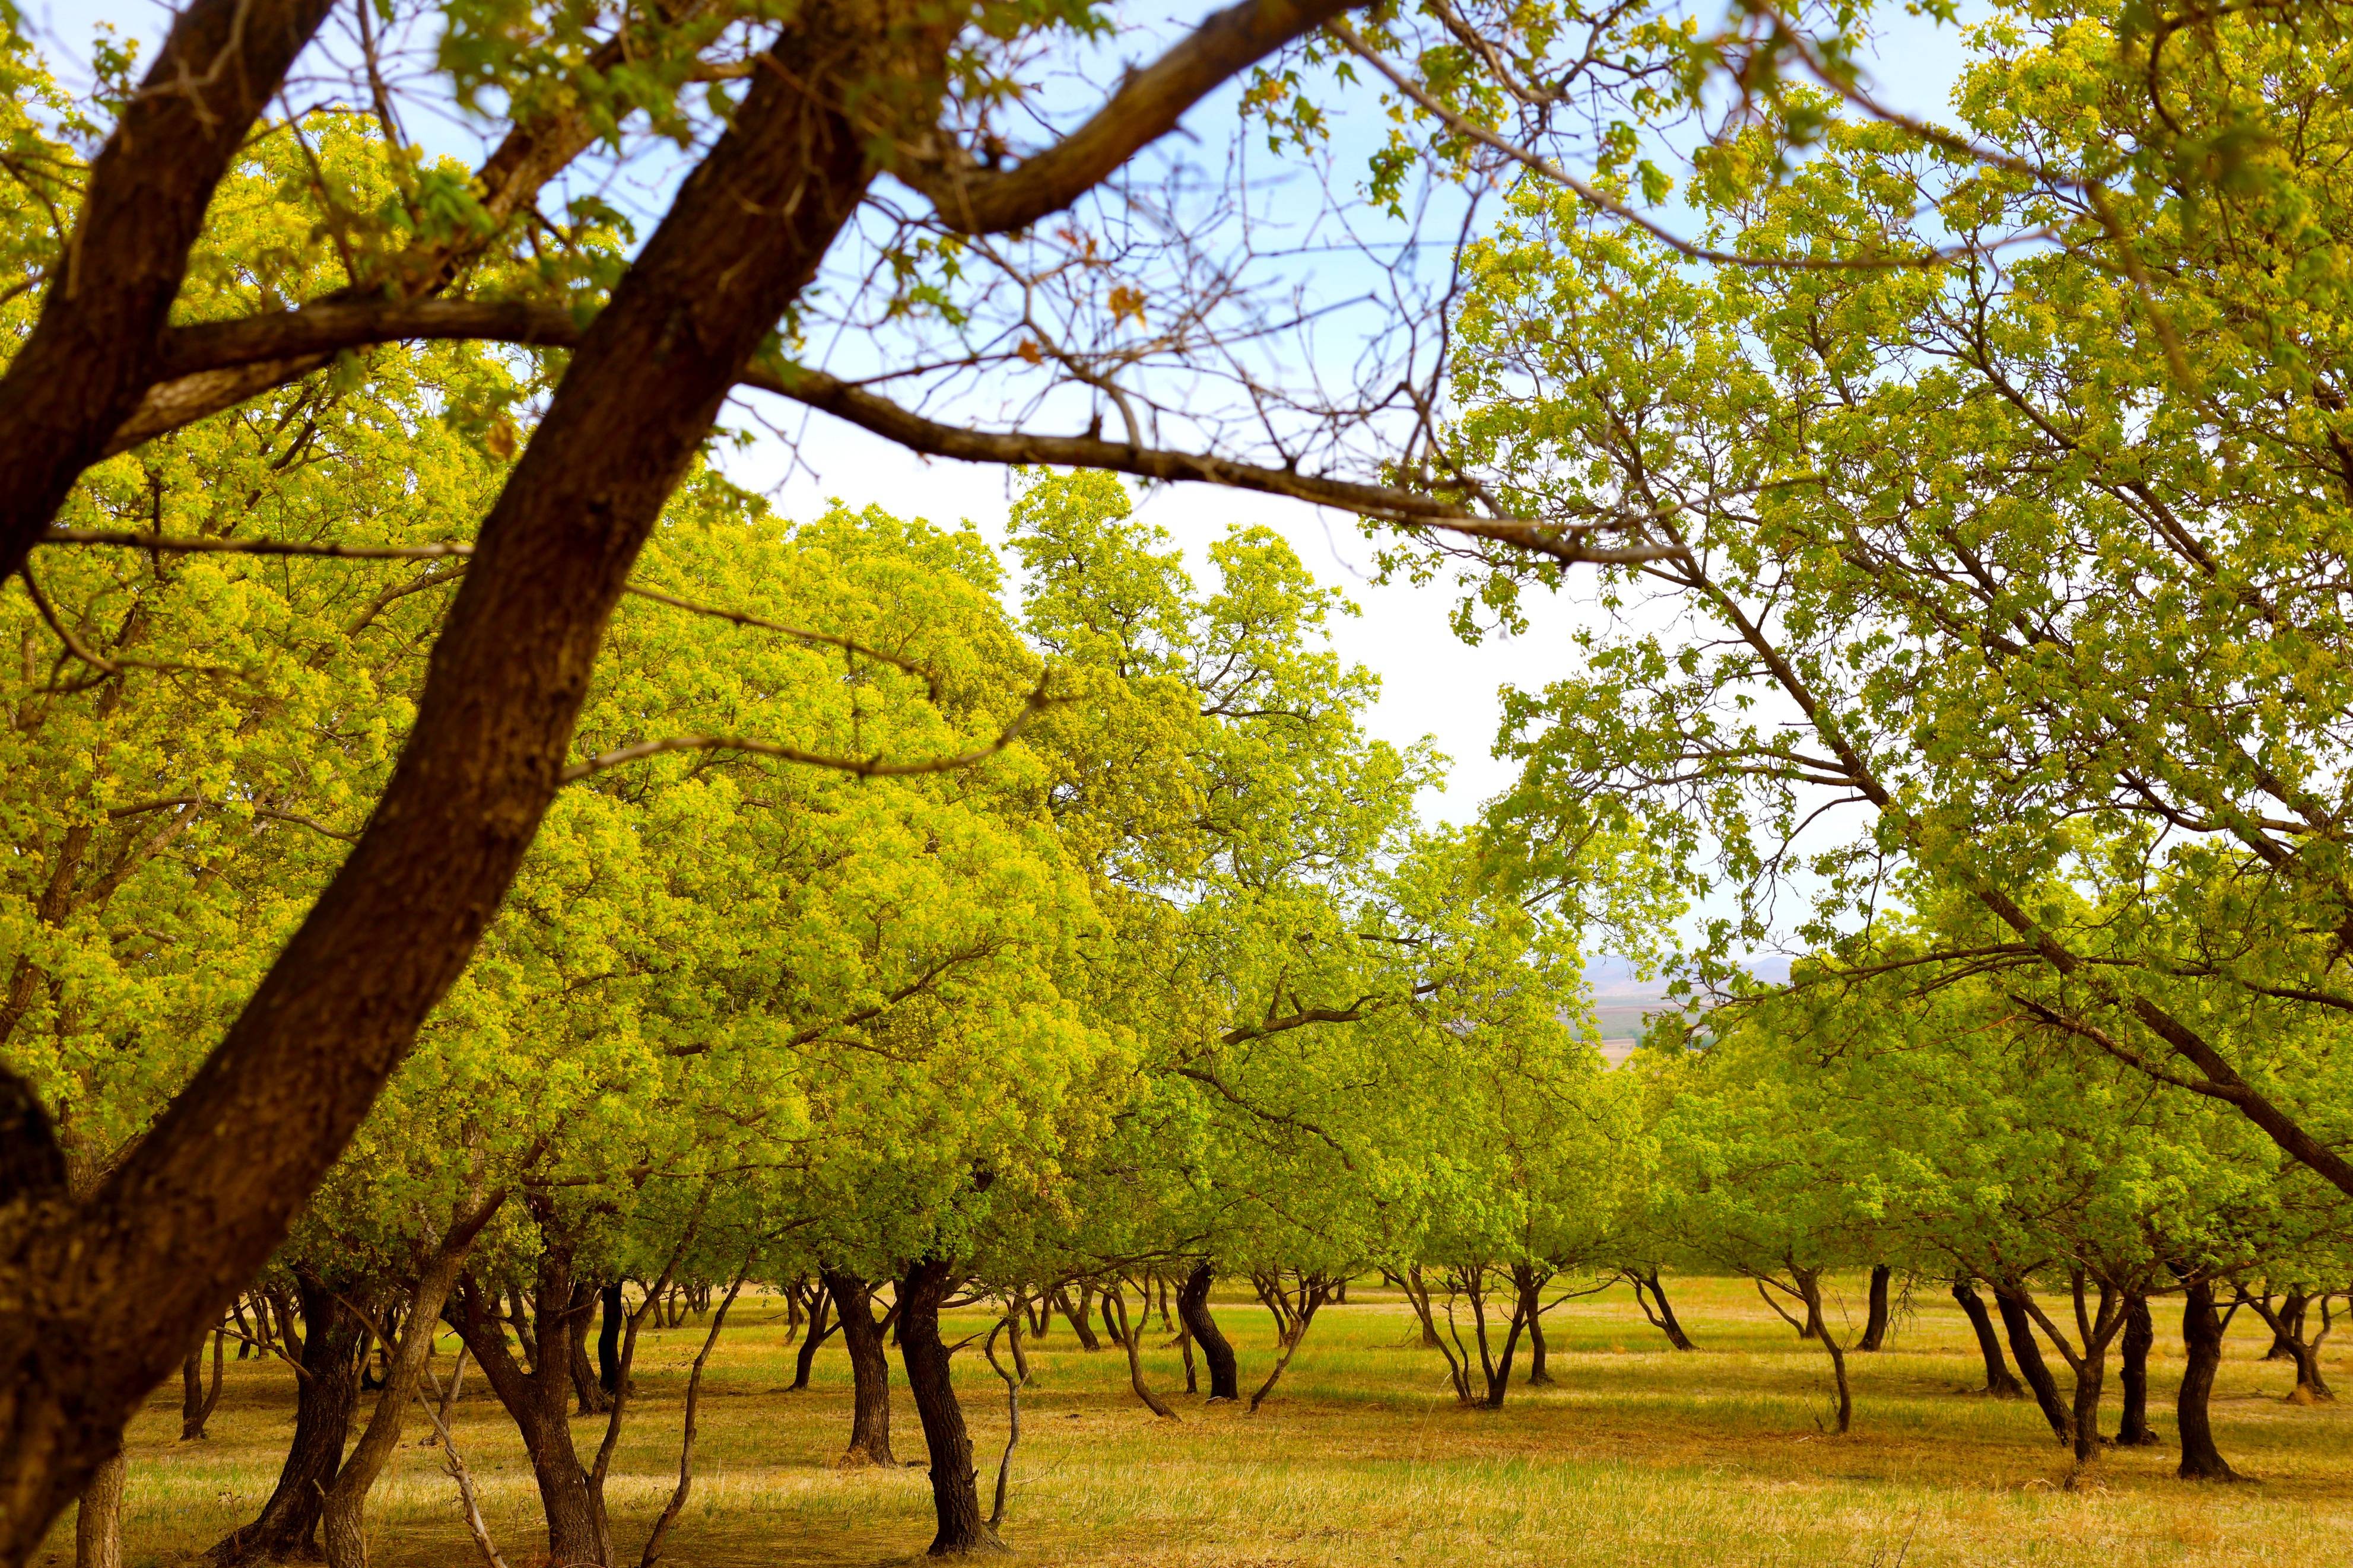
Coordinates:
column 1638, row 1457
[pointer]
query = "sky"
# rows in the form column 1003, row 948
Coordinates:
column 1431, row 684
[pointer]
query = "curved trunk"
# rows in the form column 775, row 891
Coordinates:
column 2133, row 1430
column 1663, row 1319
column 1130, row 1335
column 2000, row 1381
column 1809, row 1290
column 1193, row 1306
column 820, row 1328
column 956, row 1498
column 196, row 1403
column 1875, row 1331
column 324, row 1397
column 539, row 1399
column 2201, row 1349
column 588, row 1387
column 2027, row 1351
column 869, row 1370
column 1077, row 1316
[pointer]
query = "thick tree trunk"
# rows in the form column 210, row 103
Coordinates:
column 2202, row 1347
column 100, row 1295
column 820, row 1328
column 1874, row 1330
column 869, row 1370
column 608, row 1338
column 1663, row 1319
column 956, row 1497
column 326, row 1395
column 1193, row 1306
column 2133, row 1430
column 98, row 1521
column 2028, row 1352
column 2000, row 1381
column 539, row 1399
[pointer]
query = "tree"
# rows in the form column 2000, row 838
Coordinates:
column 1989, row 546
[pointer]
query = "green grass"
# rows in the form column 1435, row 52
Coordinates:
column 1639, row 1456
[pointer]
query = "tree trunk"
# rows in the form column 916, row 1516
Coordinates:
column 2202, row 1347
column 539, row 1400
column 98, row 1521
column 2133, row 1430
column 2285, row 1324
column 869, row 1370
column 1809, row 1290
column 2028, row 1352
column 324, row 1396
column 101, row 1294
column 343, row 1515
column 608, row 1338
column 2000, row 1381
column 1530, row 1287
column 586, row 1387
column 1193, row 1306
column 1874, row 1330
column 195, row 1403
column 1131, row 1336
column 955, row 1498
column 1110, row 1328
column 1077, row 1316
column 1664, row 1319
column 820, row 1328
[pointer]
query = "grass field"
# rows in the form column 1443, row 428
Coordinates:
column 1639, row 1456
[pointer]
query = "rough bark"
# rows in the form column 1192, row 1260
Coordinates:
column 97, row 1518
column 2000, row 1381
column 539, row 1400
column 2133, row 1430
column 869, row 1370
column 2028, row 1352
column 956, row 1497
column 2201, row 1348
column 195, row 1210
column 326, row 1395
column 1874, row 1328
column 1193, row 1306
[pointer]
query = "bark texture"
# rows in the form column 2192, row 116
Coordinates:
column 1193, row 1306
column 2201, row 1351
column 869, row 1370
column 325, row 1396
column 2027, row 1351
column 98, row 1521
column 539, row 1400
column 2133, row 1430
column 197, row 1208
column 955, row 1494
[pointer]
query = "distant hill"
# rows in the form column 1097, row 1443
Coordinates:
column 1622, row 1002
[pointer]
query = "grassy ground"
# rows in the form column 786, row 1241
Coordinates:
column 1639, row 1456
